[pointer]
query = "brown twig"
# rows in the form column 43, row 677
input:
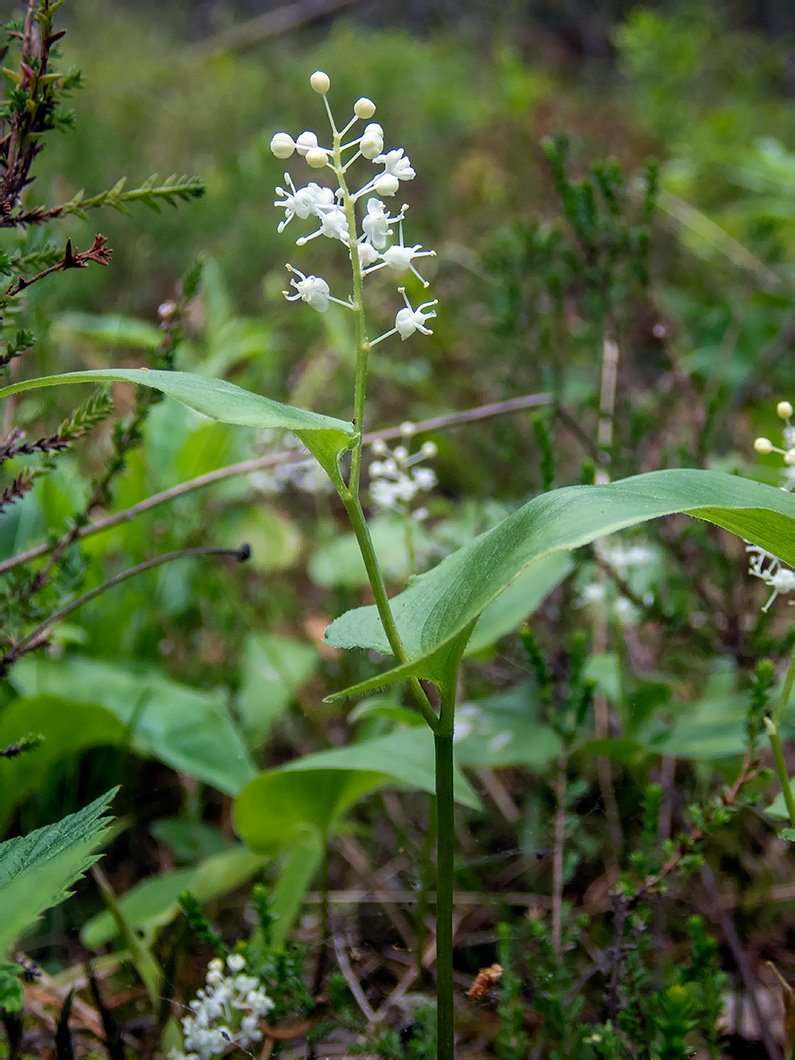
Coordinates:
column 98, row 252
column 246, row 467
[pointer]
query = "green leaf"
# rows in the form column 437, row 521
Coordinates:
column 778, row 807
column 37, row 869
column 67, row 728
column 405, row 756
column 519, row 600
column 277, row 805
column 437, row 606
column 788, row 834
column 12, row 995
column 152, row 904
column 504, row 730
column 189, row 730
column 274, row 669
column 109, row 329
column 299, row 866
column 325, row 437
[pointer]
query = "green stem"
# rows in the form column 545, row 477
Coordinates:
column 356, row 516
column 445, row 850
column 426, row 878
column 322, row 957
column 781, row 769
column 362, row 345
column 786, row 691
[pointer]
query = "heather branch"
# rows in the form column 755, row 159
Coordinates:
column 72, row 259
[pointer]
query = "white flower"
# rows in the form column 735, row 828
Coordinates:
column 779, row 579
column 310, row 289
column 367, row 254
column 395, row 481
column 333, row 223
column 400, row 258
column 313, row 199
column 236, row 962
column 409, row 320
column 396, row 164
column 375, row 223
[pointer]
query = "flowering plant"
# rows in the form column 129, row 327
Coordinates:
column 426, row 627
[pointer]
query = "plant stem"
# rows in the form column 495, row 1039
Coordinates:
column 362, row 345
column 426, row 878
column 781, row 769
column 356, row 516
column 445, row 850
column 322, row 956
column 786, row 690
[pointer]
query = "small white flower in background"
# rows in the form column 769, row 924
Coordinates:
column 238, row 1000
column 305, row 475
column 396, row 478
column 335, row 208
column 764, row 564
column 625, row 559
column 768, row 567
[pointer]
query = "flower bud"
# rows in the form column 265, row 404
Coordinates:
column 386, row 184
column 372, row 141
column 316, row 157
column 364, row 108
column 429, row 450
column 784, row 409
column 305, row 142
column 282, row 145
column 763, row 445
column 320, row 82
column 379, row 447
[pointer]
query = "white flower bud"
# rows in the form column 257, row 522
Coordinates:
column 282, row 145
column 316, row 157
column 407, row 429
column 789, row 458
column 379, row 447
column 763, row 445
column 784, row 409
column 320, row 82
column 386, row 184
column 364, row 108
column 236, row 962
column 429, row 450
column 372, row 142
column 401, row 453
column 305, row 142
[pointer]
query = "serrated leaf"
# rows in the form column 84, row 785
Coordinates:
column 437, row 606
column 36, row 870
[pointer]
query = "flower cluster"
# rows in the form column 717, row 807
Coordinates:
column 226, row 1013
column 765, row 446
column 631, row 563
column 334, row 210
column 395, row 478
column 305, row 475
column 764, row 564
